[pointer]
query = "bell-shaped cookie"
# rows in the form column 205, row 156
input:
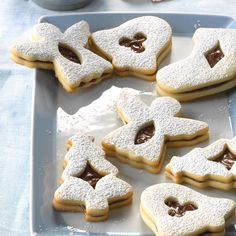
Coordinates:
column 172, row 209
column 209, row 69
column 136, row 47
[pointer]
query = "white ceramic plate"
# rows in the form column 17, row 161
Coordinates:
column 48, row 145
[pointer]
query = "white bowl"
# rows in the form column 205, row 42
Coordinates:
column 62, row 5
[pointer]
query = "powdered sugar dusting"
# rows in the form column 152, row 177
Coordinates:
column 108, row 188
column 138, row 115
column 198, row 162
column 157, row 31
column 74, row 189
column 84, row 120
column 193, row 222
column 82, row 152
column 194, row 72
column 45, row 49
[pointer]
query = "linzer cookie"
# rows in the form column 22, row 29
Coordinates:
column 65, row 53
column 136, row 47
column 212, row 166
column 89, row 182
column 172, row 209
column 142, row 141
column 209, row 69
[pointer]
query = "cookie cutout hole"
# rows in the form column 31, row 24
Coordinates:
column 68, row 53
column 178, row 210
column 214, row 55
column 145, row 134
column 90, row 175
column 136, row 43
column 227, row 159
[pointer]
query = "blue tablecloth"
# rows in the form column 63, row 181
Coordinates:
column 16, row 96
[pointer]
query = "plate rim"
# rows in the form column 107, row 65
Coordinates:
column 40, row 20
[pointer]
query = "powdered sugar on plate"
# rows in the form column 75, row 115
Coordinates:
column 98, row 118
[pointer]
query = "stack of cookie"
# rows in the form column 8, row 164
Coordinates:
column 89, row 183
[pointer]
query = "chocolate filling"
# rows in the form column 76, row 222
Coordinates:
column 68, row 53
column 82, row 207
column 89, row 82
column 136, row 43
column 227, row 159
column 90, row 175
column 214, row 56
column 117, row 201
column 177, row 209
column 145, row 134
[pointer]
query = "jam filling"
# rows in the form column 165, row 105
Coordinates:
column 68, row 54
column 136, row 43
column 177, row 209
column 145, row 134
column 214, row 56
column 227, row 159
column 90, row 175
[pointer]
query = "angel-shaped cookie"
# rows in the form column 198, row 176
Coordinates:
column 65, row 53
column 172, row 209
column 148, row 130
column 89, row 182
column 212, row 166
column 136, row 47
column 209, row 69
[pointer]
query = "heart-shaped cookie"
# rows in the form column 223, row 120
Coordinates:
column 209, row 69
column 135, row 47
column 175, row 210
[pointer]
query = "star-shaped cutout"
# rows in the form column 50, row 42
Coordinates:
column 65, row 53
column 148, row 130
column 212, row 166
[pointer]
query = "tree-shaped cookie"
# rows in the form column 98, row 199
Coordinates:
column 148, row 130
column 65, row 53
column 89, row 182
column 136, row 47
column 209, row 69
column 212, row 166
column 171, row 209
